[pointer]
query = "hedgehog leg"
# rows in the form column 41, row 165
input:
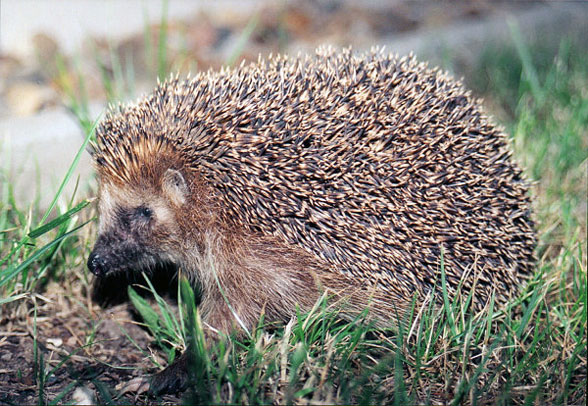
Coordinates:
column 175, row 378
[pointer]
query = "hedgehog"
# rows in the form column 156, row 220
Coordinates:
column 361, row 176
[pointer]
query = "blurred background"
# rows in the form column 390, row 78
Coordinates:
column 61, row 61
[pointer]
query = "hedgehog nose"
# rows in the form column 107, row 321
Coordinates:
column 97, row 264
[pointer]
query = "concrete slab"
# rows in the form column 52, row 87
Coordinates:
column 40, row 150
column 70, row 22
column 545, row 23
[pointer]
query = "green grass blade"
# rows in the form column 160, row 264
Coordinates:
column 527, row 61
column 69, row 173
column 242, row 41
column 149, row 315
column 162, row 62
column 59, row 220
column 12, row 271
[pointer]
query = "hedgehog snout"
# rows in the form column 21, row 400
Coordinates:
column 97, row 264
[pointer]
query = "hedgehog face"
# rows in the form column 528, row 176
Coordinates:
column 138, row 228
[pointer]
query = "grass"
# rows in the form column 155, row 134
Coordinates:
column 531, row 352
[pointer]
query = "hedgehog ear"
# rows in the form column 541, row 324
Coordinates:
column 174, row 186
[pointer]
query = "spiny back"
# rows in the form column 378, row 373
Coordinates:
column 371, row 163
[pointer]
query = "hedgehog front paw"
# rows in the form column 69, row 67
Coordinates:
column 172, row 379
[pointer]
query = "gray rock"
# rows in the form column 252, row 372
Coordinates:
column 37, row 151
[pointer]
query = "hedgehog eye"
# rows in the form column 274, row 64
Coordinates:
column 144, row 212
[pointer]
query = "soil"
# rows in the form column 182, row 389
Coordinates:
column 86, row 346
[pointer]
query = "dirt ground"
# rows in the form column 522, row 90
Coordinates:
column 85, row 343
